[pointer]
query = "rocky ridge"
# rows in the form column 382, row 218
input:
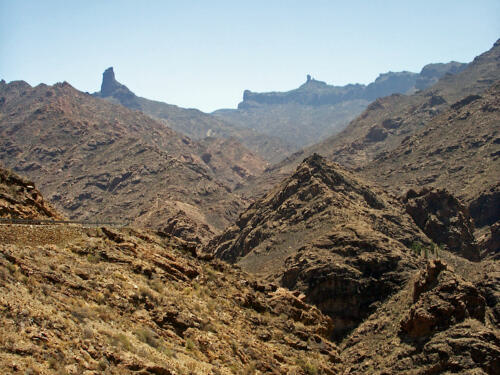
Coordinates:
column 20, row 199
column 99, row 161
column 442, row 137
column 399, row 303
column 325, row 232
column 316, row 110
column 191, row 122
column 458, row 150
column 79, row 300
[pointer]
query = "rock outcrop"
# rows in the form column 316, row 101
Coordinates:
column 440, row 300
column 323, row 231
column 20, row 199
column 191, row 122
column 439, row 323
column 316, row 110
column 444, row 220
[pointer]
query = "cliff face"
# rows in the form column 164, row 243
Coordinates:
column 316, row 93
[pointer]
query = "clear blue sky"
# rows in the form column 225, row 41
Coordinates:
column 203, row 54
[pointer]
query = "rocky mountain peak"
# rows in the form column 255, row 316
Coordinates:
column 109, row 83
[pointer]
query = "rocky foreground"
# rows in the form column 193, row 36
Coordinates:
column 77, row 300
column 365, row 292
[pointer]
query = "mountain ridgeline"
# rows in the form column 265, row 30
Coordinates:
column 316, row 93
column 316, row 110
column 191, row 122
column 375, row 251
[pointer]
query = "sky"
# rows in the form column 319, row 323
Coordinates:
column 203, row 54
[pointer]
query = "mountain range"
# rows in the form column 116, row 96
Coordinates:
column 374, row 251
column 95, row 160
column 191, row 122
column 315, row 110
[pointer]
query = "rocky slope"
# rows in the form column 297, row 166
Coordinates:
column 20, row 199
column 443, row 321
column 459, row 149
column 388, row 121
column 316, row 110
column 191, row 122
column 323, row 231
column 78, row 300
column 399, row 303
column 95, row 160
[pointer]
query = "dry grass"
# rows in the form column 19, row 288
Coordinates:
column 82, row 303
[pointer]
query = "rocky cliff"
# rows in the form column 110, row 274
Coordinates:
column 316, row 93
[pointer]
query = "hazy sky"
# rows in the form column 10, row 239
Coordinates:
column 203, row 54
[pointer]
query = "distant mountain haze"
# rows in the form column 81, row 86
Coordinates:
column 315, row 110
column 191, row 122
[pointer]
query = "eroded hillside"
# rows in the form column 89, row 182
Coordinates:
column 400, row 302
column 79, row 300
column 95, row 160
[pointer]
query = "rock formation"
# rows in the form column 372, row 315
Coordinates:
column 325, row 232
column 191, row 122
column 444, row 220
column 20, row 199
column 316, row 110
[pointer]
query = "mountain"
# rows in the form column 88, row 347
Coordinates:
column 459, row 149
column 443, row 137
column 326, row 233
column 79, row 300
column 191, row 122
column 397, row 300
column 316, row 110
column 98, row 161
